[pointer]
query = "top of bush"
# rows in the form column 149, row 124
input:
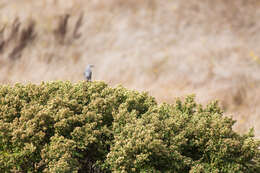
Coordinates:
column 88, row 126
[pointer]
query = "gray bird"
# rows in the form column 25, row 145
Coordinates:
column 88, row 72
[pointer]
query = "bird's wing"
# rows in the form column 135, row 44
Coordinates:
column 88, row 73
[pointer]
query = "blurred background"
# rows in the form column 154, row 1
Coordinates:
column 170, row 48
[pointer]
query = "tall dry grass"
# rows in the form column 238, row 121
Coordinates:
column 169, row 48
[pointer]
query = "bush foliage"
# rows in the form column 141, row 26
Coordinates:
column 90, row 127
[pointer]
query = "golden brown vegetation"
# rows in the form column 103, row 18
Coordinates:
column 169, row 48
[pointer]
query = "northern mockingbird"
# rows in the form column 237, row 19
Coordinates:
column 88, row 72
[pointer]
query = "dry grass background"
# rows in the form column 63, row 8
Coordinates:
column 169, row 48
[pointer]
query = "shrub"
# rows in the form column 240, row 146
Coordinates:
column 90, row 127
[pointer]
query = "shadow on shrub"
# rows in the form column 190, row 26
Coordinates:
column 90, row 127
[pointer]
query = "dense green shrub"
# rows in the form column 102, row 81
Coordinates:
column 90, row 127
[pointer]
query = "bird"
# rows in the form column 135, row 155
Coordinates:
column 88, row 72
